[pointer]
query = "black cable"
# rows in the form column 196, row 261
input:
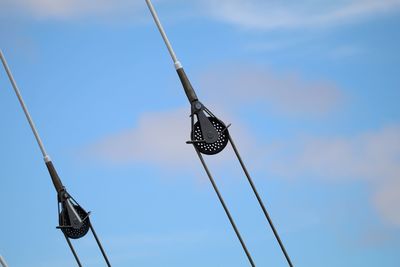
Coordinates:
column 63, row 196
column 73, row 251
column 225, row 208
column 261, row 203
column 99, row 245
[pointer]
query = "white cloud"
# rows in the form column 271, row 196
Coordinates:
column 71, row 9
column 269, row 15
column 287, row 93
column 387, row 200
column 372, row 157
column 251, row 14
column 159, row 137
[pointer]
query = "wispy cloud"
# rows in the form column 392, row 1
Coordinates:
column 375, row 237
column 71, row 9
column 372, row 157
column 387, row 199
column 250, row 14
column 158, row 138
column 284, row 93
column 270, row 15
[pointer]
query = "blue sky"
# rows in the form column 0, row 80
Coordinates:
column 311, row 89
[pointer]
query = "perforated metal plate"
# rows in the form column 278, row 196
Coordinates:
column 211, row 148
column 70, row 231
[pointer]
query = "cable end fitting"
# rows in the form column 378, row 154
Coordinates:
column 47, row 159
column 178, row 65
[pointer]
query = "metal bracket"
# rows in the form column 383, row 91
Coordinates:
column 209, row 133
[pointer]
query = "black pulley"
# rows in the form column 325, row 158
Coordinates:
column 70, row 231
column 210, row 136
column 73, row 219
column 210, row 148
